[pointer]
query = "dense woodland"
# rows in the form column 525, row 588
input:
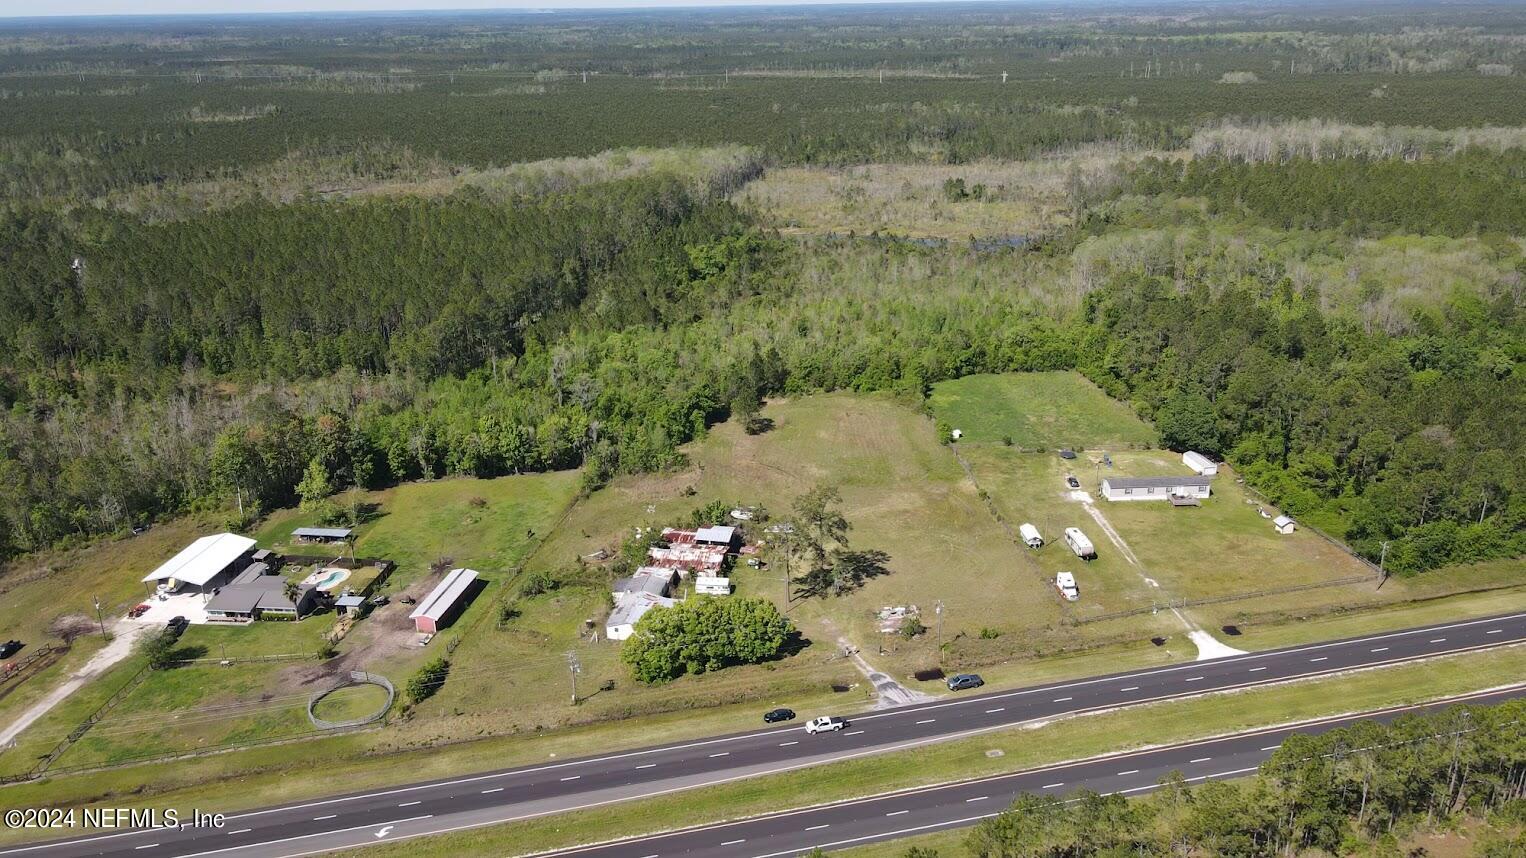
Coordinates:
column 1340, row 792
column 199, row 306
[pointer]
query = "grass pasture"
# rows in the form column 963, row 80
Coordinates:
column 1037, row 410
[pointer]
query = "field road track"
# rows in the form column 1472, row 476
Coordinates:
column 412, row 810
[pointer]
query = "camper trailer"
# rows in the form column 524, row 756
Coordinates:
column 1080, row 544
column 1031, row 536
column 1066, row 584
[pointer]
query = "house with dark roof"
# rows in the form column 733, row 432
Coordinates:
column 260, row 592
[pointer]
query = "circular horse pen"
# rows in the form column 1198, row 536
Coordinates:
column 358, row 678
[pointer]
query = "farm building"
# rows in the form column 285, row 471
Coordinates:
column 1200, row 464
column 1031, row 537
column 1284, row 525
column 629, row 609
column 687, row 552
column 322, row 534
column 257, row 592
column 205, row 564
column 652, row 580
column 1155, row 488
column 444, row 602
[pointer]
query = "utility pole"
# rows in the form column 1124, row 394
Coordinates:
column 574, row 667
column 938, row 612
column 100, row 622
column 1382, row 557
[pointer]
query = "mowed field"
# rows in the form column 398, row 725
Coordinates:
column 1037, row 411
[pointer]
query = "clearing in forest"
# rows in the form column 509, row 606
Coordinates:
column 1038, row 410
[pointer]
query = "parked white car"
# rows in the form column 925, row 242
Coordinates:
column 824, row 724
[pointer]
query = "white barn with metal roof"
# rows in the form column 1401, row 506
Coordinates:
column 205, row 563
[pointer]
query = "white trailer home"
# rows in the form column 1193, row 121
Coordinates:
column 1200, row 464
column 712, row 585
column 1079, row 544
column 1030, row 535
column 1155, row 488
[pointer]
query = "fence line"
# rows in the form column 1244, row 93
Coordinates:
column 1338, row 543
column 83, row 727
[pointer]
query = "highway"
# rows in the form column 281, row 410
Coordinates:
column 451, row 804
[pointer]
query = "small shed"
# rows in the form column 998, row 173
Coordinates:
column 351, row 605
column 444, row 602
column 1284, row 525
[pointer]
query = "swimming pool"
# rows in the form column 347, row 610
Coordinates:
column 327, row 579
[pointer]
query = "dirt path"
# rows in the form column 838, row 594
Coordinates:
column 124, row 635
column 1208, row 646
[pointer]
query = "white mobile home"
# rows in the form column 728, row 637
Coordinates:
column 1030, row 535
column 1079, row 544
column 1155, row 488
column 1200, row 464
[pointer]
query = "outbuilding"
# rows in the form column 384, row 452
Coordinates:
column 1200, row 464
column 444, row 602
column 1155, row 488
column 717, row 535
column 205, row 564
column 628, row 611
column 1284, row 525
column 322, row 534
column 1030, row 535
column 712, row 585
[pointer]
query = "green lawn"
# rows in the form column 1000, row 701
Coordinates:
column 355, row 701
column 1038, row 410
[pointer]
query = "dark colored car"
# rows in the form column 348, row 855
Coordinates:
column 11, row 647
column 961, row 681
column 177, row 626
column 1073, row 482
column 1067, row 454
column 778, row 715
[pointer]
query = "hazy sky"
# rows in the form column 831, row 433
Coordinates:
column 26, row 8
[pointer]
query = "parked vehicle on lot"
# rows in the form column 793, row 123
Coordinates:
column 10, row 648
column 825, row 724
column 1031, row 537
column 961, row 681
column 177, row 626
column 776, row 715
column 1066, row 584
column 1070, row 480
column 139, row 610
column 1079, row 544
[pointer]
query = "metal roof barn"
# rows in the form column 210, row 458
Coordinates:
column 442, row 601
column 203, row 560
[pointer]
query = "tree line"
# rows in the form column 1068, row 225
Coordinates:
column 1337, row 792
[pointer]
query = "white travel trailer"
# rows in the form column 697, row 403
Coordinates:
column 1066, row 584
column 712, row 585
column 1031, row 536
column 1078, row 543
column 1200, row 464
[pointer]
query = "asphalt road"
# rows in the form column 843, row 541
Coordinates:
column 929, row 809
column 435, row 806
